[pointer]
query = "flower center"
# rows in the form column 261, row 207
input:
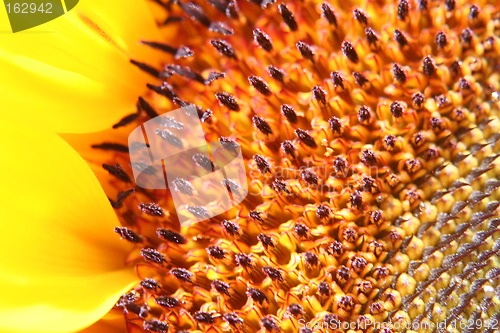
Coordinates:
column 370, row 136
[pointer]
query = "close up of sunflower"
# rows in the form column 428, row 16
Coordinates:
column 370, row 133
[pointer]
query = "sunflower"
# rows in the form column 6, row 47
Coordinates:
column 370, row 133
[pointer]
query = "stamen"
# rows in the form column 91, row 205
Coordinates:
column 203, row 161
column 257, row 295
column 221, row 287
column 324, row 289
column 263, row 40
column 199, row 211
column 309, row 177
column 212, row 76
column 117, row 171
column 371, row 36
column 360, row 16
column 224, row 48
column 399, row 73
column 203, row 317
column 155, row 325
column 227, row 100
column 147, row 108
column 301, row 230
column 311, row 259
column 328, row 13
column 289, row 148
column 153, row 255
column 364, row 115
column 403, row 9
column 111, row 146
column 242, row 259
column 195, row 11
column 295, row 309
column 169, row 137
column 126, row 120
column 151, row 209
column 231, row 228
column 441, row 39
column 266, row 240
column 276, row 73
column 270, row 324
column 171, row 236
column 360, row 79
column 256, row 215
column 450, row 5
column 150, row 284
column 146, row 68
column 397, row 109
column 233, row 319
column 323, row 211
column 289, row 113
column 160, row 46
column 167, row 302
column 400, row 38
column 186, row 72
column 216, row 252
column 428, row 66
column 229, row 144
column 128, row 234
column 273, row 273
column 338, row 80
column 288, row 17
column 319, row 94
column 182, row 274
column 262, row 163
column 183, row 186
column 305, row 138
column 260, row 85
column 165, row 90
column 305, row 50
column 220, row 28
column 349, row 51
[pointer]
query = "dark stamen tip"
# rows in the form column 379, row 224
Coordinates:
column 117, row 171
column 146, row 68
column 328, row 13
column 263, row 40
column 260, row 85
column 305, row 50
column 126, row 120
column 276, row 73
column 289, row 112
column 128, row 234
column 224, row 48
column 227, row 100
column 319, row 94
column 151, row 209
column 403, row 9
column 305, row 138
column 182, row 274
column 171, row 236
column 153, row 255
column 349, row 51
column 147, row 108
column 288, row 17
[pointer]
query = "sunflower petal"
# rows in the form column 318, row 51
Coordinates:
column 62, row 266
column 73, row 74
column 112, row 322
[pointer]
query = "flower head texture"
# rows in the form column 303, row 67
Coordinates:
column 370, row 132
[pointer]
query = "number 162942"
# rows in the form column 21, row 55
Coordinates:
column 29, row 8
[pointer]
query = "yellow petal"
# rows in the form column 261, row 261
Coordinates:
column 62, row 265
column 73, row 74
column 112, row 322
